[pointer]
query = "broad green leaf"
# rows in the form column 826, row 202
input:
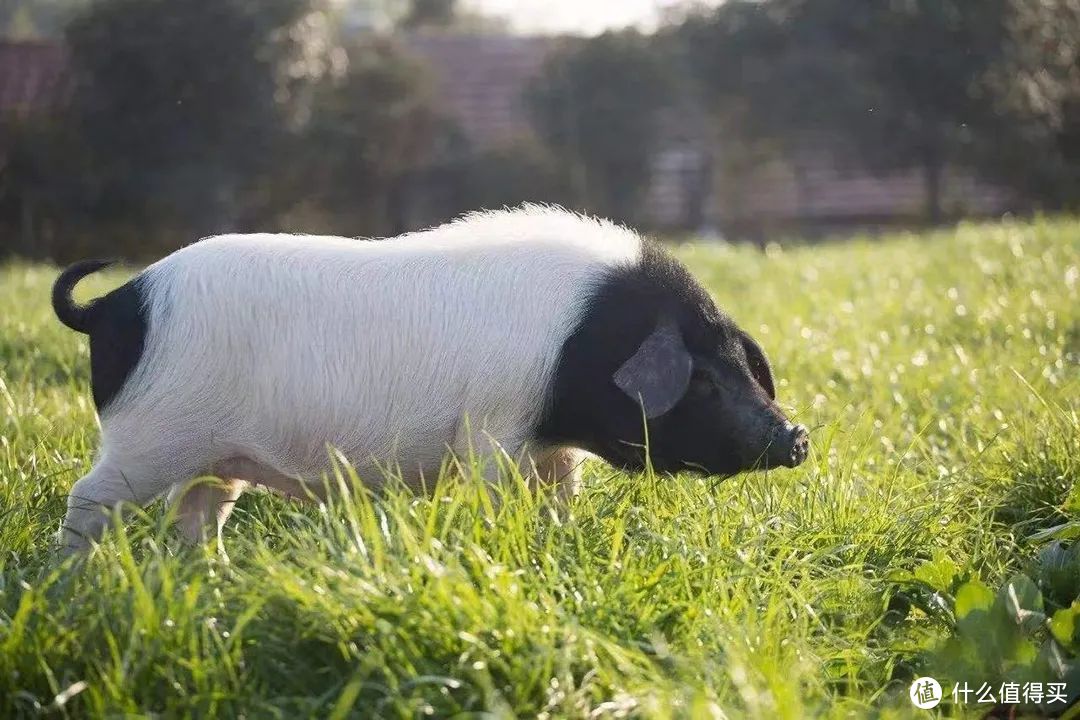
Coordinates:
column 1053, row 661
column 1064, row 531
column 978, row 623
column 1053, row 556
column 938, row 573
column 1059, row 571
column 973, row 595
column 1072, row 502
column 1065, row 626
column 1022, row 593
column 1024, row 602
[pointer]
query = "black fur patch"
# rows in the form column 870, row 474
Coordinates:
column 587, row 409
column 117, row 338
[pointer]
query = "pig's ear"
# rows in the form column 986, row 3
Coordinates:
column 759, row 364
column 658, row 374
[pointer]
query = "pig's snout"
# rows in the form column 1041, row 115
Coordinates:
column 790, row 445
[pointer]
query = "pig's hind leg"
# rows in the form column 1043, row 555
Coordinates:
column 139, row 462
column 114, row 479
column 203, row 508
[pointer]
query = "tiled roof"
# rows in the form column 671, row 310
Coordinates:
column 30, row 73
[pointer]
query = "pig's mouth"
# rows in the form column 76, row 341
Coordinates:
column 788, row 446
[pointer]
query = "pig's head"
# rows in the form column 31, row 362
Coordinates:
column 653, row 353
column 710, row 403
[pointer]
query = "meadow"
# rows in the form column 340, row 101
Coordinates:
column 929, row 533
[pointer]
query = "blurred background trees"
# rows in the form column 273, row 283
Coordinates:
column 896, row 83
column 181, row 106
column 21, row 19
column 347, row 164
column 936, row 84
column 596, row 105
column 1032, row 139
column 158, row 122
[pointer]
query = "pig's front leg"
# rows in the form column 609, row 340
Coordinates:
column 558, row 466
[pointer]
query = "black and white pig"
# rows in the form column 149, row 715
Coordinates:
column 533, row 332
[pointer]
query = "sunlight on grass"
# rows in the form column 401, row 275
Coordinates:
column 940, row 374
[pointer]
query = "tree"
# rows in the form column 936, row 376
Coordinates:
column 348, row 168
column 899, row 83
column 22, row 19
column 1033, row 142
column 183, row 105
column 32, row 193
column 215, row 115
column 597, row 105
column 505, row 175
column 424, row 13
column 921, row 62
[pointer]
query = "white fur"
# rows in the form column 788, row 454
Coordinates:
column 265, row 350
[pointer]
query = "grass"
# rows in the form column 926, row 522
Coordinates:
column 940, row 374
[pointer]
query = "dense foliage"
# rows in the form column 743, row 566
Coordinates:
column 597, row 105
column 992, row 87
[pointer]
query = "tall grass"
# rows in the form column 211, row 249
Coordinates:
column 940, row 374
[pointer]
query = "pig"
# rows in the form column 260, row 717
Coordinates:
column 533, row 334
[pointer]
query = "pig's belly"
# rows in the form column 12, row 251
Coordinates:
column 308, row 454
